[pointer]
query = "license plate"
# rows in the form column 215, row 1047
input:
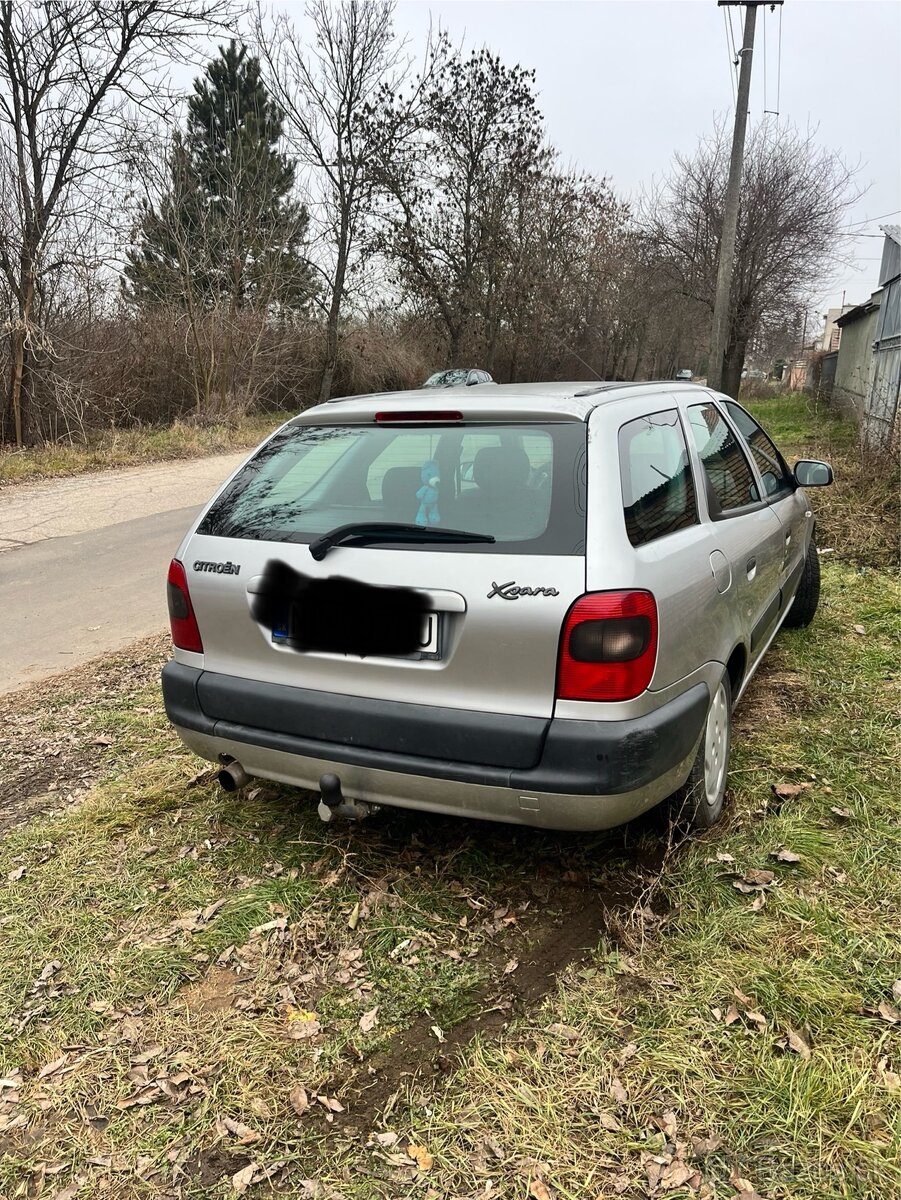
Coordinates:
column 429, row 638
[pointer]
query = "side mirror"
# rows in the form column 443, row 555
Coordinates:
column 809, row 472
column 472, row 379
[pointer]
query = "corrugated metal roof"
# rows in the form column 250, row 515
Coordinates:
column 892, row 231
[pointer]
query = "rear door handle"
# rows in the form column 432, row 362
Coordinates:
column 751, row 567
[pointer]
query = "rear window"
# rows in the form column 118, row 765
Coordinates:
column 522, row 484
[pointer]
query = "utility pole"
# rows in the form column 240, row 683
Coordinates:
column 720, row 332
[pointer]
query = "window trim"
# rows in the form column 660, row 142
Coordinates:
column 729, row 513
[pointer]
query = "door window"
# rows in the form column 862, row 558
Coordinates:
column 730, row 481
column 658, row 489
column 774, row 473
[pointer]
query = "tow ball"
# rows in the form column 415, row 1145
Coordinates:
column 333, row 804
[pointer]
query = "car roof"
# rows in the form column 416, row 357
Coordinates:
column 560, row 401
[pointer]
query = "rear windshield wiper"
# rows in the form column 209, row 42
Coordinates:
column 366, row 534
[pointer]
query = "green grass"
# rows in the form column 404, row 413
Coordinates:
column 858, row 517
column 135, row 447
column 647, row 1058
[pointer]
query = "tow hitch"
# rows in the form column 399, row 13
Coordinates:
column 333, row 804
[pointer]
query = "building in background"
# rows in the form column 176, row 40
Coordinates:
column 880, row 424
column 854, row 369
column 831, row 336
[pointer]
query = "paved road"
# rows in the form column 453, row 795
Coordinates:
column 83, row 562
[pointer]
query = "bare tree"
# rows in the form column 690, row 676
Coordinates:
column 336, row 100
column 72, row 74
column 795, row 195
column 450, row 189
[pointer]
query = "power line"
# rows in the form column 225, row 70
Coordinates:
column 764, row 62
column 772, row 112
column 870, row 220
column 729, row 56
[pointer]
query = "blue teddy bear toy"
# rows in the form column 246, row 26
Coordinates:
column 428, row 495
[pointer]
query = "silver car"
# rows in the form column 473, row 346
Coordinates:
column 537, row 604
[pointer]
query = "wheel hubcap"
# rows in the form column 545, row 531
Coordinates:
column 716, row 740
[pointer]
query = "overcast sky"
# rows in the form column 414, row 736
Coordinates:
column 626, row 83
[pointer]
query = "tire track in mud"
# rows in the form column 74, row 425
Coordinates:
column 571, row 919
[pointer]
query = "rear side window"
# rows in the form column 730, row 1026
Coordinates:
column 658, row 489
column 730, row 481
column 522, row 484
column 774, row 473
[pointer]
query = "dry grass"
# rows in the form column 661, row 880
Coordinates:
column 859, row 516
column 135, row 446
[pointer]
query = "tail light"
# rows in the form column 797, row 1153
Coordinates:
column 609, row 646
column 185, row 633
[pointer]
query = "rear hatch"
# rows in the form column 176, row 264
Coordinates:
column 492, row 609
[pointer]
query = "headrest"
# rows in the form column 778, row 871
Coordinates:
column 498, row 469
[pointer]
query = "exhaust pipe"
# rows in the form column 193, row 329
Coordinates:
column 232, row 777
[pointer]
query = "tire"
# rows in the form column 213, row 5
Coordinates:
column 807, row 597
column 699, row 802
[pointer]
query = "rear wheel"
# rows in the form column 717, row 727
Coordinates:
column 699, row 802
column 807, row 597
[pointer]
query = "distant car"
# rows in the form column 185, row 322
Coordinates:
column 538, row 604
column 458, row 377
column 684, row 376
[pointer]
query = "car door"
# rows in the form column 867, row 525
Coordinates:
column 779, row 490
column 746, row 529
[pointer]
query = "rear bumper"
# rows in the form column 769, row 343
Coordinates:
column 582, row 774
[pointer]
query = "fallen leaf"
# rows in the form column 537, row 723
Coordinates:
column 667, row 1125
column 331, row 1103
column 745, row 1189
column 52, row 1067
column 385, row 1140
column 753, row 880
column 844, row 813
column 298, row 1099
column 756, row 1018
column 15, row 875
column 101, row 741
column 211, row 909
column 628, row 1051
column 609, row 1122
column 888, row 1012
column 68, row 1192
column 786, row 856
column 758, row 902
column 564, row 1031
column 241, row 1180
column 150, row 1053
column 354, row 919
column 245, row 1135
column 732, row 1015
column 618, row 1092
column 438, row 1032
column 725, row 858
column 701, row 1147
column 539, row 1190
column 859, row 629
column 786, row 790
column 421, row 1156
column 675, row 1175
column 896, row 989
column 369, row 1020
column 891, row 1081
column 511, row 966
